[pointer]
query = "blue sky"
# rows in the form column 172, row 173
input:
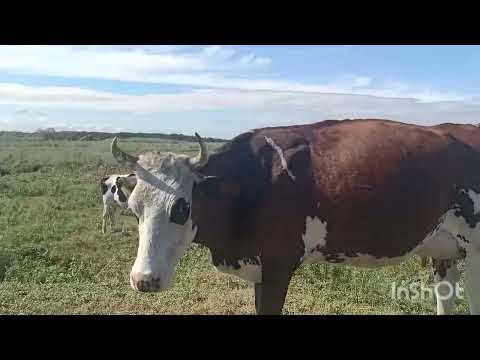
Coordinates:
column 222, row 91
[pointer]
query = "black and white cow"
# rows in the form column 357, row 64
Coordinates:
column 366, row 193
column 115, row 192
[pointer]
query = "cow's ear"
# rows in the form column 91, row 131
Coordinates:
column 208, row 186
column 130, row 182
column 214, row 186
column 127, row 182
column 120, row 182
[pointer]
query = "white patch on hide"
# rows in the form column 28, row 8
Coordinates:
column 452, row 233
column 476, row 200
column 280, row 154
column 440, row 244
column 315, row 236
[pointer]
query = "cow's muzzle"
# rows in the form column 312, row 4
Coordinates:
column 145, row 283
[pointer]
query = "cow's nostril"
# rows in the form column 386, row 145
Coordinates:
column 137, row 277
column 144, row 283
column 139, row 285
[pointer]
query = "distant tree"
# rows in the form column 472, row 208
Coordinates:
column 47, row 134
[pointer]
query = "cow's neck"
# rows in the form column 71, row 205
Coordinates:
column 236, row 163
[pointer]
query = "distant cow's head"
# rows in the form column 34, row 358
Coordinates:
column 161, row 199
column 124, row 186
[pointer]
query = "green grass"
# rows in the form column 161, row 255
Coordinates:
column 54, row 259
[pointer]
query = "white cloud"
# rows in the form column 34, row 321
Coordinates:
column 115, row 62
column 218, row 52
column 29, row 115
column 361, row 81
column 253, row 59
column 209, row 70
column 265, row 107
column 202, row 99
column 206, row 67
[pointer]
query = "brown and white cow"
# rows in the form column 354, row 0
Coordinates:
column 115, row 192
column 356, row 192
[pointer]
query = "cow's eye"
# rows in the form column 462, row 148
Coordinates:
column 180, row 211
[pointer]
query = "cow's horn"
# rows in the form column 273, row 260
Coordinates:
column 121, row 156
column 202, row 156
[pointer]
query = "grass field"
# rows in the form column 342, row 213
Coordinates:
column 54, row 259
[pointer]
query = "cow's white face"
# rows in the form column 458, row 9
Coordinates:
column 162, row 201
column 165, row 226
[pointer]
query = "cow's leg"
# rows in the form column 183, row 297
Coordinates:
column 258, row 297
column 272, row 291
column 272, row 297
column 113, row 217
column 104, row 219
column 472, row 279
column 446, row 276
